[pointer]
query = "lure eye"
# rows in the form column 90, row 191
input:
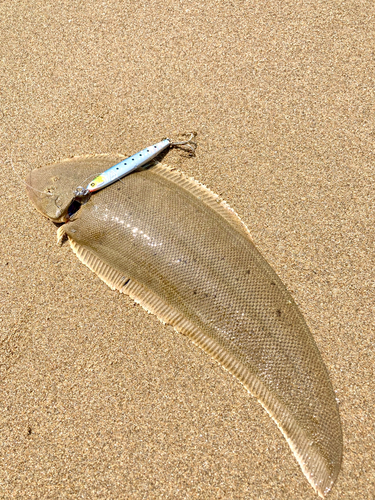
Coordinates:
column 92, row 184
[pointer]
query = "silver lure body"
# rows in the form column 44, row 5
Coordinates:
column 127, row 166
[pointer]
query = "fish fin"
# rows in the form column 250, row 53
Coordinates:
column 61, row 234
column 112, row 277
column 202, row 192
column 140, row 294
column 318, row 471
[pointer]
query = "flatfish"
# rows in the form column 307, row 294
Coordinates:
column 182, row 253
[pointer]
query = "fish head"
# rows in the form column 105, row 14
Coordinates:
column 51, row 191
column 51, row 188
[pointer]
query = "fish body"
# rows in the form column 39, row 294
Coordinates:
column 183, row 254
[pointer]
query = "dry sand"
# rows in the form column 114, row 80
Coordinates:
column 98, row 400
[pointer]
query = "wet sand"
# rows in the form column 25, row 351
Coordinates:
column 97, row 398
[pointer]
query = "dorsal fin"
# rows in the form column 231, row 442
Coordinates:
column 202, row 192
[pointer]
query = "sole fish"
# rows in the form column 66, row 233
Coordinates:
column 184, row 255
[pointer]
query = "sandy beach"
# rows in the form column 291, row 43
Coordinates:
column 98, row 399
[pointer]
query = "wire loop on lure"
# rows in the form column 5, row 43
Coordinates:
column 189, row 143
column 128, row 165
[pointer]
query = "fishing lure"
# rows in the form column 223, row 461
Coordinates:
column 128, row 165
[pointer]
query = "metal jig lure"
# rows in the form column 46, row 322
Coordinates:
column 128, row 165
